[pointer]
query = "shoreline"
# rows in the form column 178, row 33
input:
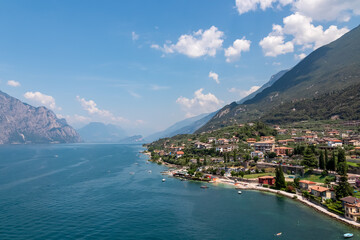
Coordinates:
column 253, row 187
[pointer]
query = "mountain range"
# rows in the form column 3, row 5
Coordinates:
column 22, row 123
column 332, row 68
column 187, row 126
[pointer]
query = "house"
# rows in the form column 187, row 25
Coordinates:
column 334, row 143
column 226, row 148
column 212, row 140
column 299, row 139
column 322, row 192
column 200, row 145
column 179, row 154
column 282, row 131
column 265, row 146
column 354, row 143
column 306, row 184
column 267, row 138
column 351, row 207
column 251, row 141
column 333, row 133
column 269, row 180
column 283, row 151
column 234, row 139
column 257, row 154
column 222, row 141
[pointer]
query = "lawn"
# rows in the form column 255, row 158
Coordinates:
column 314, row 178
column 256, row 175
column 352, row 164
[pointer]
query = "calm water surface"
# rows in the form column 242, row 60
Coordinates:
column 86, row 191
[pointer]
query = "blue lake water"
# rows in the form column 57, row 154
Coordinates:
column 85, row 191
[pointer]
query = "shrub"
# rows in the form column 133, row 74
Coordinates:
column 294, row 197
column 265, row 185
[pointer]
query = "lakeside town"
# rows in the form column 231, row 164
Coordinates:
column 317, row 164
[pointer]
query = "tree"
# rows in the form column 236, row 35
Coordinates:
column 241, row 173
column 321, row 160
column 205, row 162
column 343, row 189
column 326, row 159
column 341, row 156
column 272, row 155
column 332, row 162
column 279, row 178
column 296, row 182
column 309, row 158
column 234, row 155
column 222, row 172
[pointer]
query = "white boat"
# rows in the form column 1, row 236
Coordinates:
column 239, row 192
column 149, row 171
column 348, row 235
column 163, row 179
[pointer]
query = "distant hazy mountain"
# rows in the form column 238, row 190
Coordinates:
column 23, row 123
column 273, row 79
column 332, row 68
column 136, row 139
column 187, row 126
column 100, row 132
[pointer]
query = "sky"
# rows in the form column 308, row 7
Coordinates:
column 144, row 65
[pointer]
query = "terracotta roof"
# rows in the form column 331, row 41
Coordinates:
column 350, row 199
column 307, row 182
column 319, row 188
column 180, row 152
column 266, row 177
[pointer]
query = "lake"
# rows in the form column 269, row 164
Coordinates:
column 106, row 191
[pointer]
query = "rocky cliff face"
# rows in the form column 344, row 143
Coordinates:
column 23, row 123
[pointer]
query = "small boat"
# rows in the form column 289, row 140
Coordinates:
column 149, row 171
column 204, row 187
column 239, row 192
column 278, row 234
column 131, row 173
column 348, row 235
column 163, row 179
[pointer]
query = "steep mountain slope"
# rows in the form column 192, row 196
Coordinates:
column 187, row 126
column 343, row 104
column 23, row 123
column 272, row 80
column 100, row 132
column 330, row 68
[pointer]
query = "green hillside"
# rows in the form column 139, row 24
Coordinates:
column 333, row 67
column 343, row 104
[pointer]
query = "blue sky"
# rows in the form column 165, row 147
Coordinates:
column 145, row 65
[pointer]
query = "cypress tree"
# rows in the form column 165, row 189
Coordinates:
column 279, row 178
column 321, row 160
column 326, row 160
column 309, row 158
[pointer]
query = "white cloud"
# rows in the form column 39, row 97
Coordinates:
column 303, row 33
column 134, row 94
column 200, row 103
column 91, row 107
column 197, row 44
column 45, row 100
column 243, row 93
column 13, row 83
column 244, row 6
column 214, row 76
column 275, row 45
column 300, row 56
column 328, row 10
column 134, row 36
column 233, row 52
